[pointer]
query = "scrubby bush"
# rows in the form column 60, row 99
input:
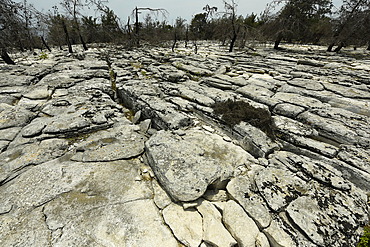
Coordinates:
column 234, row 112
column 365, row 239
column 43, row 56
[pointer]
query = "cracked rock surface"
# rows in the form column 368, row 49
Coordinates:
column 183, row 149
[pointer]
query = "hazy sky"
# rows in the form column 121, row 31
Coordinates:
column 184, row 8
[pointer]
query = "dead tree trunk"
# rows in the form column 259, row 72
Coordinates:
column 5, row 56
column 80, row 35
column 232, row 43
column 343, row 26
column 128, row 27
column 67, row 37
column 340, row 46
column 45, row 44
column 174, row 42
column 277, row 41
column 195, row 47
column 233, row 26
column 187, row 37
column 234, row 37
column 330, row 47
column 137, row 27
column 244, row 40
column 82, row 40
column 76, row 25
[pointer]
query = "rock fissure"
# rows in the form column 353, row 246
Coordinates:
column 16, row 173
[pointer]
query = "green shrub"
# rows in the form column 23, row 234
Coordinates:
column 43, row 56
column 365, row 239
column 234, row 112
column 113, row 77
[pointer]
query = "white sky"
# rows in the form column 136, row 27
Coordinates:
column 184, row 8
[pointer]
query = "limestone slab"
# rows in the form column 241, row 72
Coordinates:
column 214, row 231
column 187, row 225
column 186, row 165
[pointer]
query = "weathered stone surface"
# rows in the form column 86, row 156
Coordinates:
column 349, row 92
column 9, row 134
column 310, row 62
column 122, row 142
column 288, row 110
column 316, row 169
column 277, row 236
column 242, row 227
column 187, row 225
column 258, row 93
column 140, row 226
column 34, row 128
column 150, row 102
column 13, row 161
column 216, row 195
column 15, row 117
column 16, row 232
column 217, row 83
column 303, row 136
column 357, row 157
column 297, row 99
column 85, row 192
column 64, row 124
column 195, row 70
column 76, row 147
column 307, row 84
column 161, row 199
column 333, row 129
column 254, row 140
column 242, row 190
column 279, row 187
column 30, row 104
column 15, row 80
column 214, row 231
column 38, row 93
column 314, row 216
column 3, row 145
column 186, row 165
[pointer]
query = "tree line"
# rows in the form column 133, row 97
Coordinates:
column 301, row 21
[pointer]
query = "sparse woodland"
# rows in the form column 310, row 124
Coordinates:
column 299, row 21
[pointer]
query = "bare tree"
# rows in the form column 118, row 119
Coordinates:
column 353, row 17
column 230, row 8
column 57, row 25
column 210, row 11
column 73, row 8
column 11, row 26
column 136, row 13
column 44, row 43
column 295, row 19
column 179, row 31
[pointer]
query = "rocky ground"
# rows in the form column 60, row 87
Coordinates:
column 112, row 147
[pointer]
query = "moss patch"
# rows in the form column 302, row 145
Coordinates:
column 113, row 77
column 234, row 112
column 82, row 198
column 365, row 239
